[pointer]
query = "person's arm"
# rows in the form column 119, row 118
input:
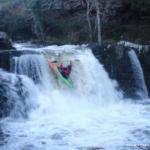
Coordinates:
column 70, row 66
column 70, row 63
column 55, row 61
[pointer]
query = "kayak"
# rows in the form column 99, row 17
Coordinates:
column 59, row 76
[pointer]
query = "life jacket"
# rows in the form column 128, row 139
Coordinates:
column 65, row 70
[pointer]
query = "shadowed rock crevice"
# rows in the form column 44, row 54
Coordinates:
column 5, row 42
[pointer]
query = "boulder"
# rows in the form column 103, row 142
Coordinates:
column 6, row 57
column 5, row 42
column 12, row 95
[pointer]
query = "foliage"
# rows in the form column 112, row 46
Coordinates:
column 140, row 5
column 46, row 19
column 18, row 15
column 37, row 18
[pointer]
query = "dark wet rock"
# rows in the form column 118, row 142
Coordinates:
column 117, row 63
column 10, row 94
column 4, row 106
column 144, row 56
column 13, row 95
column 7, row 63
column 6, row 56
column 6, row 49
column 5, row 42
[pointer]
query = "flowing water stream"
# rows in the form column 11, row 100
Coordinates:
column 47, row 115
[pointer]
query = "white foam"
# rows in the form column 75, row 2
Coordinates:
column 93, row 115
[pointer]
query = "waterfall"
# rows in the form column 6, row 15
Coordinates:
column 90, row 79
column 16, row 95
column 33, row 66
column 45, row 114
column 141, row 89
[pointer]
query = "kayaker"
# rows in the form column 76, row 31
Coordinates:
column 65, row 70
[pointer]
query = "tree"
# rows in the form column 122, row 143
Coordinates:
column 98, row 18
column 94, row 4
column 89, row 7
column 140, row 5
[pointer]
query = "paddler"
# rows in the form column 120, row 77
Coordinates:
column 65, row 70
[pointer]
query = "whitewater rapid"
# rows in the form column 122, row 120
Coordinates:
column 92, row 116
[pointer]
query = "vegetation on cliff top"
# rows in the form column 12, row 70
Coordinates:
column 66, row 21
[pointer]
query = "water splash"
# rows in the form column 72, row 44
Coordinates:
column 141, row 89
column 16, row 95
column 94, row 115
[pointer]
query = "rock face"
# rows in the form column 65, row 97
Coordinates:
column 12, row 91
column 5, row 47
column 5, row 42
column 6, row 56
column 144, row 57
column 118, row 64
column 7, row 51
